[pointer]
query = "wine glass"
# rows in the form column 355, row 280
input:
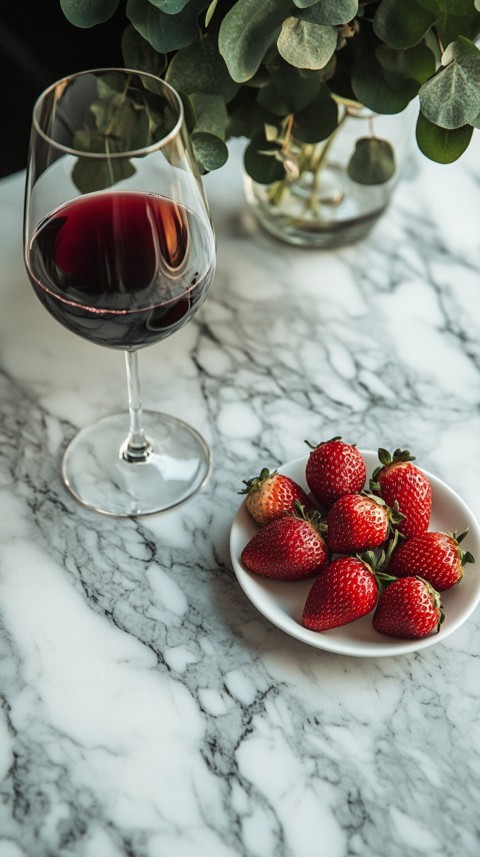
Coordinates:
column 120, row 249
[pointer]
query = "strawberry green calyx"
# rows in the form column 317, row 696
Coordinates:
column 313, row 517
column 376, row 563
column 256, row 482
column 391, row 546
column 386, row 458
column 464, row 556
column 395, row 515
column 323, row 442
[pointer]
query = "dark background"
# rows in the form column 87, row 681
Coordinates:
column 38, row 46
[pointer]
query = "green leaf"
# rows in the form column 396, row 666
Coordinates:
column 327, row 12
column 246, row 33
column 123, row 117
column 138, row 53
column 189, row 114
column 373, row 161
column 457, row 18
column 441, row 144
column 402, row 25
column 247, row 117
column 417, row 63
column 88, row 13
column 165, row 32
column 316, row 121
column 111, row 85
column 210, row 151
column 260, row 161
column 451, row 98
column 211, row 113
column 306, row 45
column 289, row 89
column 170, row 7
column 210, row 12
column 90, row 175
column 372, row 89
column 200, row 68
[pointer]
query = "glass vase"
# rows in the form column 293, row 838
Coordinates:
column 318, row 203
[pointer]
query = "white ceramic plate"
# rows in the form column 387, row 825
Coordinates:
column 282, row 602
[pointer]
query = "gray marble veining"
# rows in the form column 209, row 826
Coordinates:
column 147, row 708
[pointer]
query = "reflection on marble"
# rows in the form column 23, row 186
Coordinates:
column 147, row 709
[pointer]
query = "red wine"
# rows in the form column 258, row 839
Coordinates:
column 122, row 269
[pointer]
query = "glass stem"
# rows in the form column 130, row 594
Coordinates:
column 136, row 447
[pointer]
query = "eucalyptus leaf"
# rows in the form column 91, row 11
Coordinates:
column 138, row 53
column 417, row 63
column 170, row 7
column 200, row 68
column 316, row 121
column 119, row 127
column 165, row 32
column 246, row 33
column 210, row 12
column 88, row 13
column 211, row 113
column 442, row 145
column 110, row 85
column 306, row 45
column 289, row 89
column 210, row 151
column 372, row 89
column 373, row 161
column 451, row 98
column 260, row 161
column 246, row 116
column 327, row 12
column 402, row 25
column 456, row 18
column 90, row 175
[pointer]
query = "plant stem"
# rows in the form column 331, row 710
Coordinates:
column 136, row 447
column 318, row 163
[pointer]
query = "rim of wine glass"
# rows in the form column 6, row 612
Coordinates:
column 98, row 155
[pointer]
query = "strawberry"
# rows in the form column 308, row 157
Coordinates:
column 357, row 522
column 409, row 607
column 436, row 557
column 270, row 495
column 290, row 548
column 343, row 592
column 334, row 468
column 398, row 480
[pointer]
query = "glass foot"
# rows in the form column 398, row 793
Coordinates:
column 97, row 474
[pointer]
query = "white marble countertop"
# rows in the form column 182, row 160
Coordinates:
column 147, row 708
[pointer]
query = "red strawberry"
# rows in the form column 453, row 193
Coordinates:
column 334, row 468
column 398, row 480
column 270, row 495
column 437, row 557
column 357, row 522
column 289, row 548
column 409, row 607
column 344, row 591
